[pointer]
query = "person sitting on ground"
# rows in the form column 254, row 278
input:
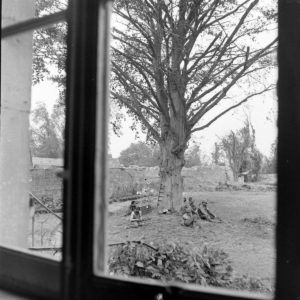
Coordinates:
column 204, row 203
column 211, row 215
column 131, row 208
column 205, row 214
column 188, row 217
column 202, row 213
column 192, row 205
column 184, row 206
column 136, row 217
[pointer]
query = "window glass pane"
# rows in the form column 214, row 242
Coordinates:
column 191, row 158
column 39, row 8
column 32, row 139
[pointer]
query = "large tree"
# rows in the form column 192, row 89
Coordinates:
column 178, row 66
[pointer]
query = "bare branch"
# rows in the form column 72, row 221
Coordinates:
column 230, row 108
column 134, row 109
column 125, row 75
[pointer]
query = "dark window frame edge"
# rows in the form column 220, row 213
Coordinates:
column 29, row 275
column 33, row 24
column 280, row 232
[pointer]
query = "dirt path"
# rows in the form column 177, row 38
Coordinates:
column 247, row 233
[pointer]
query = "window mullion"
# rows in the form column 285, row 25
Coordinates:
column 288, row 205
column 80, row 147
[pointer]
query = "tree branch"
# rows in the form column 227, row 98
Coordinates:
column 230, row 108
column 138, row 113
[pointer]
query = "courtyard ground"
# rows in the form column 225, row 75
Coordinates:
column 247, row 233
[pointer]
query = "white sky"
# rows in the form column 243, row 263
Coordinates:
column 45, row 92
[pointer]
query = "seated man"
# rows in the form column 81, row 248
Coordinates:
column 184, row 206
column 136, row 217
column 202, row 213
column 132, row 207
column 192, row 205
column 205, row 214
column 188, row 217
column 212, row 216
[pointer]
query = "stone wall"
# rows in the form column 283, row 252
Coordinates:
column 46, row 185
column 123, row 182
column 128, row 181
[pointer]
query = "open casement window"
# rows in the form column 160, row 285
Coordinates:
column 18, row 200
column 85, row 172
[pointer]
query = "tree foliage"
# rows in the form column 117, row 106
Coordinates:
column 271, row 161
column 192, row 156
column 240, row 151
column 217, row 154
column 144, row 155
column 139, row 154
column 172, row 54
column 47, row 132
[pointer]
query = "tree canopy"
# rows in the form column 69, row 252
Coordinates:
column 47, row 132
column 140, row 154
column 172, row 58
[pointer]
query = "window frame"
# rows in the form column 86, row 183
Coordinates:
column 21, row 272
column 73, row 278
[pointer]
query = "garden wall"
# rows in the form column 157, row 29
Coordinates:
column 125, row 182
column 45, row 184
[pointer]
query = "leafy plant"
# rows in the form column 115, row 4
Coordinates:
column 171, row 261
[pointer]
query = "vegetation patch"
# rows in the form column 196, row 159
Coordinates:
column 170, row 261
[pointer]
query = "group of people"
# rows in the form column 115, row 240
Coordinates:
column 190, row 213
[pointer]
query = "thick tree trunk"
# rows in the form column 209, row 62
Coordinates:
column 172, row 148
column 170, row 174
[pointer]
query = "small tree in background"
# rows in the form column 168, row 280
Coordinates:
column 139, row 154
column 241, row 153
column 272, row 160
column 47, row 132
column 216, row 155
column 257, row 160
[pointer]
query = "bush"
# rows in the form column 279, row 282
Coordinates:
column 171, row 261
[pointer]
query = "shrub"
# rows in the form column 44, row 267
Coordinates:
column 171, row 261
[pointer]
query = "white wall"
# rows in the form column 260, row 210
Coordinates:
column 16, row 72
